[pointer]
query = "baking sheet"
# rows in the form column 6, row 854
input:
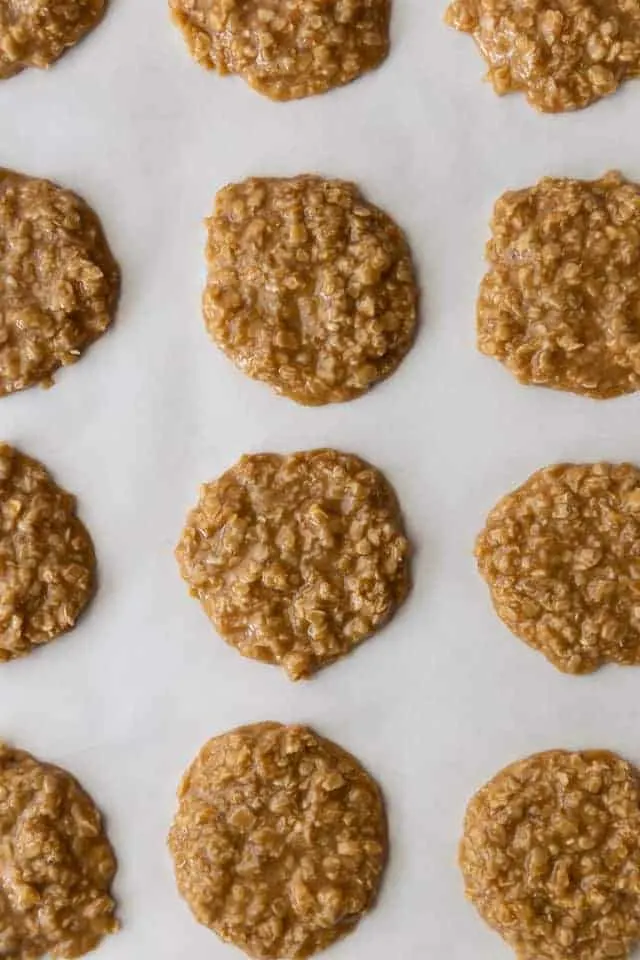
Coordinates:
column 444, row 697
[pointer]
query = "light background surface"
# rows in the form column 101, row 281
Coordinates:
column 444, row 697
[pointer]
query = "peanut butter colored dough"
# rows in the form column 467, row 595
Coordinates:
column 35, row 33
column 280, row 840
column 551, row 855
column 561, row 556
column 296, row 559
column 286, row 49
column 56, row 863
column 310, row 287
column 560, row 305
column 563, row 54
column 47, row 561
column 59, row 283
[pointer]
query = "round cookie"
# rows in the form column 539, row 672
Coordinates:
column 562, row 55
column 47, row 561
column 38, row 32
column 280, row 840
column 56, row 863
column 551, row 855
column 560, row 305
column 310, row 287
column 296, row 559
column 59, row 283
column 286, row 49
column 561, row 556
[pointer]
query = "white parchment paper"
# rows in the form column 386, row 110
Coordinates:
column 444, row 697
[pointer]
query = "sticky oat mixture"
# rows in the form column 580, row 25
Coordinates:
column 279, row 841
column 560, row 304
column 59, row 283
column 56, row 863
column 563, row 54
column 47, row 562
column 310, row 287
column 551, row 855
column 296, row 559
column 35, row 33
column 561, row 556
column 286, row 49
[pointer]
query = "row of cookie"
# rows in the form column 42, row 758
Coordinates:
column 311, row 288
column 563, row 57
column 280, row 841
column 297, row 559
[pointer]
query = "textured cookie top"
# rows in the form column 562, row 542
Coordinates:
column 296, row 559
column 310, row 287
column 286, row 49
column 563, row 54
column 279, row 841
column 560, row 305
column 47, row 562
column 561, row 555
column 56, row 863
column 37, row 32
column 551, row 855
column 59, row 283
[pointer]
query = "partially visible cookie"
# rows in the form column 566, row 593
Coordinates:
column 47, row 561
column 296, row 559
column 310, row 287
column 561, row 556
column 551, row 855
column 560, row 304
column 561, row 55
column 37, row 32
column 279, row 841
column 286, row 49
column 56, row 863
column 59, row 282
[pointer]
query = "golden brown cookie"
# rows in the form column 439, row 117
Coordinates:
column 280, row 840
column 37, row 32
column 551, row 855
column 296, row 559
column 56, row 863
column 47, row 561
column 560, row 305
column 286, row 49
column 59, row 283
column 310, row 287
column 561, row 556
column 563, row 54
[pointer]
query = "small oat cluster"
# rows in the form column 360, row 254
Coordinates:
column 296, row 559
column 47, row 561
column 561, row 555
column 563, row 54
column 310, row 288
column 560, row 304
column 56, row 863
column 551, row 855
column 59, row 283
column 36, row 33
column 279, row 841
column 286, row 49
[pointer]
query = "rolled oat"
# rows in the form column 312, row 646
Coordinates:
column 36, row 33
column 296, row 559
column 279, row 841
